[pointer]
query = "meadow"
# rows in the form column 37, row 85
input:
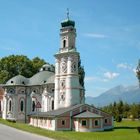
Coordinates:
column 125, row 130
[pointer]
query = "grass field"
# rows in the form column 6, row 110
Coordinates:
column 126, row 130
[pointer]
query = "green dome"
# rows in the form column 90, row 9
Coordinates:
column 68, row 23
column 42, row 77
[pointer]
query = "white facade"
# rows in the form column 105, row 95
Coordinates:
column 67, row 86
column 50, row 88
column 20, row 99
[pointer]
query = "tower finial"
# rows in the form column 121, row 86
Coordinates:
column 68, row 13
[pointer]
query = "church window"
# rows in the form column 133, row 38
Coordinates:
column 0, row 105
column 106, row 121
column 33, row 106
column 12, row 81
column 63, row 122
column 11, row 90
column 52, row 104
column 84, row 122
column 10, row 105
column 62, row 84
column 21, row 105
column 96, row 122
column 62, row 96
column 64, row 43
column 23, row 82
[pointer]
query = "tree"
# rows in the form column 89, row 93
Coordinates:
column 37, row 63
column 81, row 74
column 120, row 107
column 138, row 71
column 118, row 118
column 13, row 65
column 123, row 110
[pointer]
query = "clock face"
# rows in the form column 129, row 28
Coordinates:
column 63, row 67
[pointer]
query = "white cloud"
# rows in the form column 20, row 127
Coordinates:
column 127, row 67
column 123, row 65
column 96, row 79
column 111, row 75
column 96, row 35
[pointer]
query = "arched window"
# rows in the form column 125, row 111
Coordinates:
column 33, row 106
column 52, row 104
column 21, row 105
column 96, row 122
column 10, row 105
column 64, row 43
column 0, row 105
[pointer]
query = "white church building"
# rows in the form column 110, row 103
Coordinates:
column 53, row 98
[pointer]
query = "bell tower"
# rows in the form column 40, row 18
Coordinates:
column 67, row 87
column 67, row 35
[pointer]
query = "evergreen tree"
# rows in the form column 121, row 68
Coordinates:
column 123, row 110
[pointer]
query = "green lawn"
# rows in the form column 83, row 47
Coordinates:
column 126, row 130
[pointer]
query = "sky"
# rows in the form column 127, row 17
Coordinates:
column 108, row 36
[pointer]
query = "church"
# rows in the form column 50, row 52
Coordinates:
column 53, row 98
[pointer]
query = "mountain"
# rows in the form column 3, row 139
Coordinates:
column 129, row 94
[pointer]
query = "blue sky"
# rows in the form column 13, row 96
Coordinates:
column 108, row 36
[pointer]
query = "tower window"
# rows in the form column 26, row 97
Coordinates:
column 64, row 43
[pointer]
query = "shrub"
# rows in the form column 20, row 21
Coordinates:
column 118, row 118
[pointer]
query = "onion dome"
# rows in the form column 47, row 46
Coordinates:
column 67, row 23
